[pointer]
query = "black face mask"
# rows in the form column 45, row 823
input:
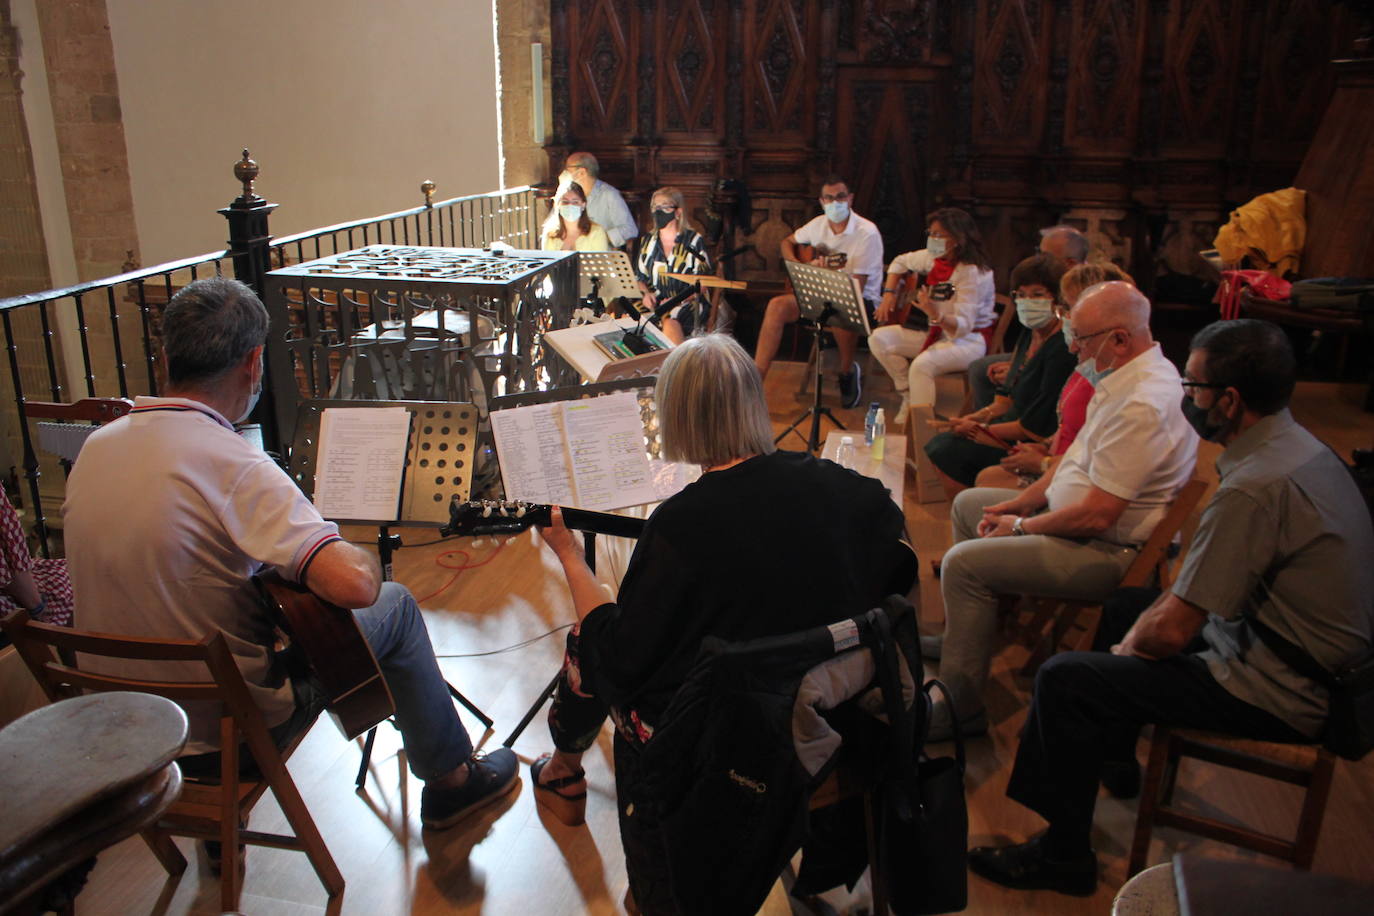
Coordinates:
column 1200, row 418
column 662, row 219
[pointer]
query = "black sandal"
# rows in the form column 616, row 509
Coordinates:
column 570, row 809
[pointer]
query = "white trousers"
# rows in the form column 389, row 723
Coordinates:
column 894, row 346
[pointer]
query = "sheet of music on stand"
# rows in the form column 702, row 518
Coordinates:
column 361, row 462
column 587, row 453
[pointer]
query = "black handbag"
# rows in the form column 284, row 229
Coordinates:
column 923, row 810
column 1349, row 730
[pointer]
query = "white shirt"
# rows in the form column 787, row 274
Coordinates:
column 169, row 513
column 860, row 243
column 1135, row 444
column 974, row 305
column 607, row 207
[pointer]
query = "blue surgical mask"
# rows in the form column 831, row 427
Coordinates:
column 1088, row 368
column 570, row 212
column 936, row 246
column 1067, row 332
column 1035, row 313
column 837, row 211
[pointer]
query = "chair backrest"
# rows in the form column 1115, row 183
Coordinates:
column 999, row 334
column 50, row 654
column 1153, row 558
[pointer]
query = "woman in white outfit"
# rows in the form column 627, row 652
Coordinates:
column 914, row 354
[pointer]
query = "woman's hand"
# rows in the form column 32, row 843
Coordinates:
column 924, row 304
column 1026, row 458
column 559, row 537
column 649, row 302
column 997, row 372
column 965, row 427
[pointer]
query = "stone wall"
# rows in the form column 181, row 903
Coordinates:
column 519, row 23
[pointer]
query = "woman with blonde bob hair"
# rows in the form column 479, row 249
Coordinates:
column 765, row 543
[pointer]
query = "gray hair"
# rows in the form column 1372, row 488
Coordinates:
column 1072, row 243
column 208, row 328
column 710, row 403
column 585, row 160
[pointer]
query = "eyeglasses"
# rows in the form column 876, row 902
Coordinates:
column 1079, row 338
column 1188, row 383
column 834, row 198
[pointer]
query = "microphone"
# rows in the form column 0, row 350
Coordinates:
column 634, row 337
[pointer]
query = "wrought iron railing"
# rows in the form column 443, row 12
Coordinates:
column 101, row 338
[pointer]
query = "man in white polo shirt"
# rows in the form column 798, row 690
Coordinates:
column 842, row 239
column 169, row 513
column 1073, row 533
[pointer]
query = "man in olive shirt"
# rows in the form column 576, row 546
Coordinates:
column 1286, row 540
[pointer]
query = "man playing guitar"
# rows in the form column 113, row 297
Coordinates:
column 842, row 240
column 170, row 513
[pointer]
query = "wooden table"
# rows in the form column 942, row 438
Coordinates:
column 890, row 471
column 77, row 777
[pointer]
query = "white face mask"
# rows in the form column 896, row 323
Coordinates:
column 936, row 246
column 837, row 211
column 252, row 401
column 1035, row 313
column 570, row 212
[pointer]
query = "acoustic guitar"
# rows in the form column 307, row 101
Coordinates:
column 335, row 650
column 488, row 517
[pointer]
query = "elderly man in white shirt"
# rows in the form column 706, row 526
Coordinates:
column 605, row 206
column 1074, row 532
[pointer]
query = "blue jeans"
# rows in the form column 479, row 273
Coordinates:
column 435, row 740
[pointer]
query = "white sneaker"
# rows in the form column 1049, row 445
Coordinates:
column 903, row 411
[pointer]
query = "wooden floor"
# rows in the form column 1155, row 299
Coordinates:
column 514, row 861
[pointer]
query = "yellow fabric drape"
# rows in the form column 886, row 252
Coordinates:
column 1271, row 229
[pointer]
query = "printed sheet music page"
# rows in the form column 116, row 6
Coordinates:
column 361, row 462
column 586, row 453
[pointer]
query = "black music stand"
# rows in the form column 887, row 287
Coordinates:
column 588, row 537
column 829, row 298
column 439, row 464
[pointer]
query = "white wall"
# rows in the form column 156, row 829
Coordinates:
column 346, row 106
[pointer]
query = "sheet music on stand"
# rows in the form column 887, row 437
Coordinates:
column 612, row 271
column 591, row 446
column 435, row 464
column 817, row 287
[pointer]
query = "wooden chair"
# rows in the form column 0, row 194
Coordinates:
column 1308, row 765
column 1053, row 618
column 206, row 810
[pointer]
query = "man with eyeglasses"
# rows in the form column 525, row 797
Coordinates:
column 1282, row 552
column 1073, row 533
column 843, row 240
column 605, row 206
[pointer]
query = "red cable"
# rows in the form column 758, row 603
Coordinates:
column 439, row 561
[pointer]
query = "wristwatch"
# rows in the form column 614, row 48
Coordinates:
column 1018, row 527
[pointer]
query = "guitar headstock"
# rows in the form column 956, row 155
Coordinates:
column 492, row 516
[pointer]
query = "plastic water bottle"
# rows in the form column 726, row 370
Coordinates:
column 844, row 455
column 879, row 443
column 868, row 422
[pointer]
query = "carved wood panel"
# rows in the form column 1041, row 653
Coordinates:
column 1167, row 111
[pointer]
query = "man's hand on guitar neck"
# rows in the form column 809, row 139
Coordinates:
column 344, row 574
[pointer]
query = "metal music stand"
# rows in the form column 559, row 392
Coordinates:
column 607, row 274
column 439, row 464
column 588, row 537
column 829, row 298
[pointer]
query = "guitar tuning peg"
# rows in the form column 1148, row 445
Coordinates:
column 520, row 511
column 486, row 509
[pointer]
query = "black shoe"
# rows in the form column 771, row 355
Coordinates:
column 490, row 776
column 1025, row 866
column 851, row 387
column 1121, row 778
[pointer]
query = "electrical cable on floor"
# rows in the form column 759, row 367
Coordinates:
column 520, row 645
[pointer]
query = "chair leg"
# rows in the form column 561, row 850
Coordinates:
column 361, row 778
column 876, row 875
column 165, row 850
column 1149, row 801
column 1313, row 811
